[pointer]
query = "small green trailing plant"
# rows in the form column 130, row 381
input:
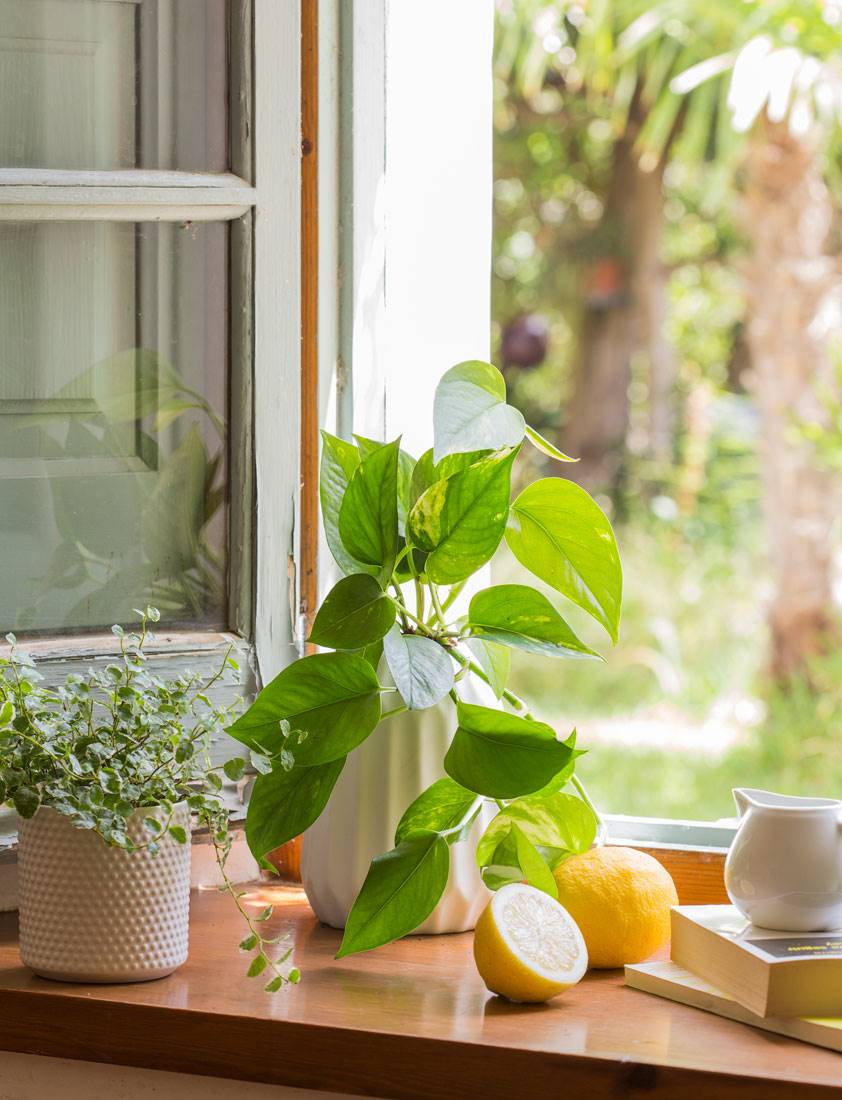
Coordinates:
column 121, row 739
column 408, row 535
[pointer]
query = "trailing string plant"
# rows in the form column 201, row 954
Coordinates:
column 121, row 739
column 408, row 535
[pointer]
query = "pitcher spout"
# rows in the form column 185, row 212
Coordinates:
column 747, row 798
column 742, row 800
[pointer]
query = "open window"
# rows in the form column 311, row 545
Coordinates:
column 133, row 294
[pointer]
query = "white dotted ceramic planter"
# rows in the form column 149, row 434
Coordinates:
column 90, row 913
column 388, row 771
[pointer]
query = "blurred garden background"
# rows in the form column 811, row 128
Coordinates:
column 667, row 303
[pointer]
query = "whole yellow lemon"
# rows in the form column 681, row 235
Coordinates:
column 620, row 898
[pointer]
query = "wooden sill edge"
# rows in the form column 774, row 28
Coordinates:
column 698, row 873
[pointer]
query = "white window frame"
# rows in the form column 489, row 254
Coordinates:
column 260, row 198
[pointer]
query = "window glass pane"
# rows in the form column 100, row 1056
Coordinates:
column 107, row 84
column 113, row 414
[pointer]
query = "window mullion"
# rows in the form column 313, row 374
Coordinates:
column 42, row 194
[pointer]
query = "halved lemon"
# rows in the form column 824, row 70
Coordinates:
column 527, row 947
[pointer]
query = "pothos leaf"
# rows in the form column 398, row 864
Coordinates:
column 460, row 521
column 441, row 808
column 470, row 411
column 400, row 891
column 333, row 697
column 502, row 755
column 558, row 824
column 355, row 613
column 421, row 668
column 562, row 536
column 368, row 516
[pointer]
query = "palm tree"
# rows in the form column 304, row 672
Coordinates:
column 754, row 83
column 777, row 84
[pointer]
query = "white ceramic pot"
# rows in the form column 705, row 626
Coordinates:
column 388, row 771
column 90, row 913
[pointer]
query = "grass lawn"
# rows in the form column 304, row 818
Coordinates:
column 678, row 714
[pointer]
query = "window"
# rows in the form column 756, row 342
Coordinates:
column 658, row 180
column 150, row 295
column 149, row 319
column 114, row 423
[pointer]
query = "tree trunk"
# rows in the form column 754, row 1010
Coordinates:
column 615, row 327
column 786, row 216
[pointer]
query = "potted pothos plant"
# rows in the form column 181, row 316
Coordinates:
column 109, row 773
column 408, row 536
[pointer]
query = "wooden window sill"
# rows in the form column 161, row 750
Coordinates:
column 411, row 1021
column 698, row 873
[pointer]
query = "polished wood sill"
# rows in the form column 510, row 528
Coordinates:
column 410, row 1021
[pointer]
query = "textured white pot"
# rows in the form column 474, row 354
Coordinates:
column 388, row 771
column 90, row 913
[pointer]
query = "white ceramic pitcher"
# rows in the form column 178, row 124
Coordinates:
column 784, row 869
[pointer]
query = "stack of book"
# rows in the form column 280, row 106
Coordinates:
column 790, row 983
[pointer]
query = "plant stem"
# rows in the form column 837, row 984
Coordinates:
column 509, row 696
column 419, row 598
column 221, row 853
column 434, row 597
column 453, row 594
column 402, row 611
column 585, row 797
column 217, row 675
column 403, row 554
column 395, row 710
column 422, row 626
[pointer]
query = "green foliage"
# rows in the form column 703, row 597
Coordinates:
column 400, row 891
column 494, row 661
column 444, row 808
column 302, row 793
column 418, row 526
column 516, row 859
column 114, row 741
column 516, row 615
column 339, row 461
column 562, row 536
column 368, row 515
column 356, row 613
column 460, row 520
column 332, row 698
column 503, row 755
column 791, row 745
column 559, row 823
column 421, row 668
column 471, row 413
column 696, row 582
column 547, row 448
